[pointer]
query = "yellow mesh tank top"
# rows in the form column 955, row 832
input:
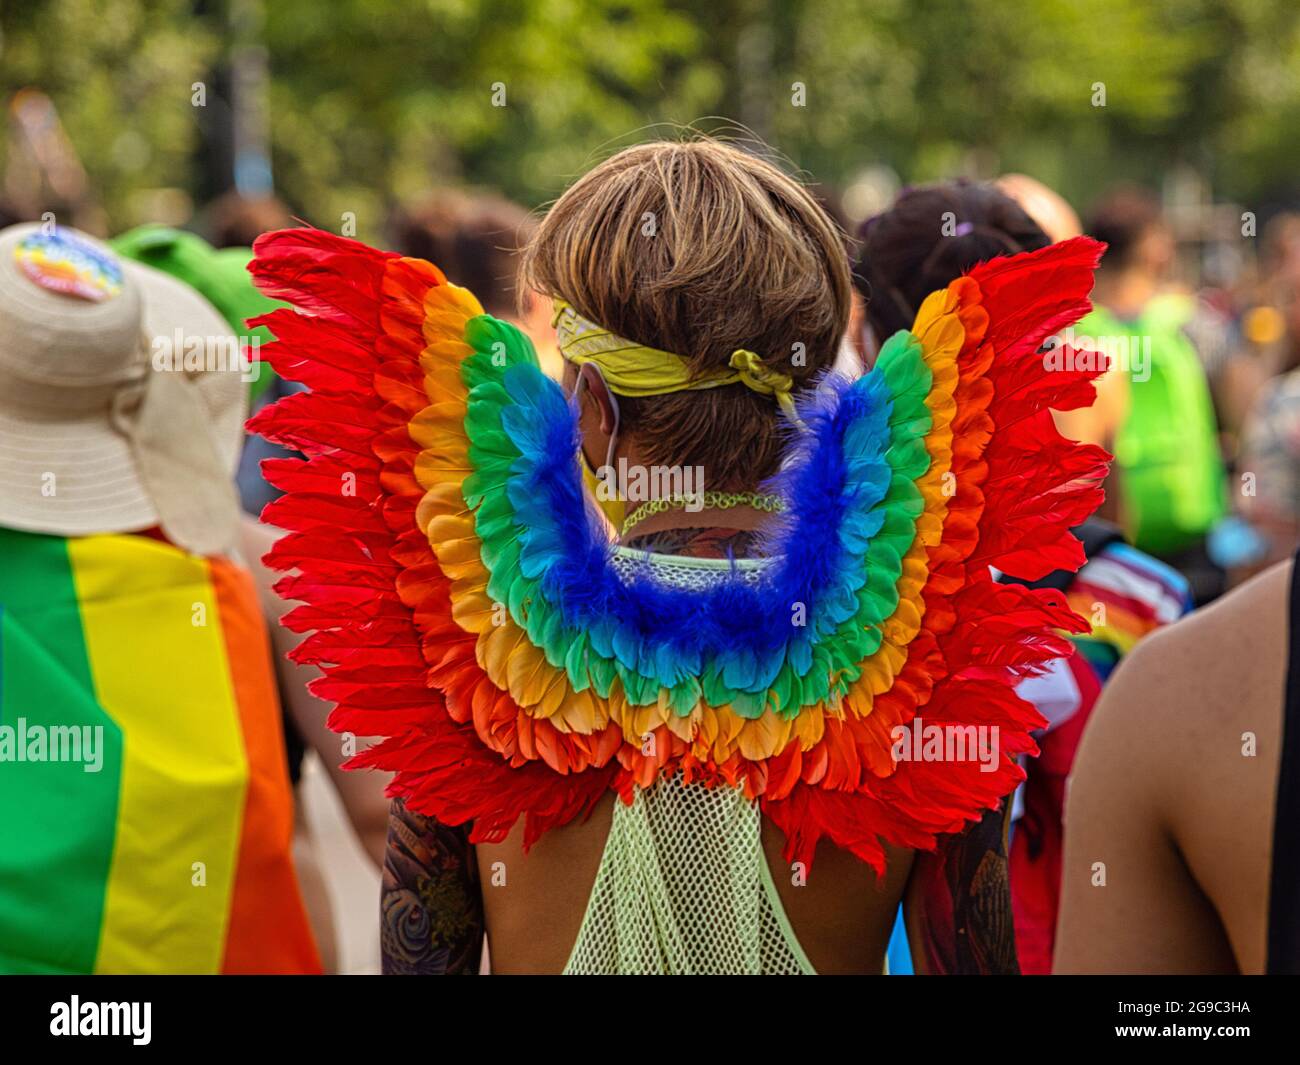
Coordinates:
column 683, row 886
column 684, row 889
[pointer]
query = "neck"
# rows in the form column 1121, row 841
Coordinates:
column 710, row 532
column 1127, row 292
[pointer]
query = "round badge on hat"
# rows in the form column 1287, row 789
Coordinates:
column 61, row 262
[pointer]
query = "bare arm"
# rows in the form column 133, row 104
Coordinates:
column 431, row 911
column 1129, row 902
column 958, row 903
column 362, row 793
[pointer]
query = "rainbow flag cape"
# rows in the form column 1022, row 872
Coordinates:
column 143, row 789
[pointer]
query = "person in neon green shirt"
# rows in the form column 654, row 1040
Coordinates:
column 1169, row 481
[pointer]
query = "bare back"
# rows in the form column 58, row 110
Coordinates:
column 534, row 903
column 1170, row 811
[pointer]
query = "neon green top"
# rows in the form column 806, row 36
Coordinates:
column 684, row 889
column 683, row 886
column 1171, row 472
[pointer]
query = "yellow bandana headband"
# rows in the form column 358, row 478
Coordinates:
column 632, row 369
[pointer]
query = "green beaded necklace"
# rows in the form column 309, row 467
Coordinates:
column 707, row 500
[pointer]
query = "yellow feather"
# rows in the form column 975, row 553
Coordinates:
column 764, row 736
column 809, row 728
column 474, row 611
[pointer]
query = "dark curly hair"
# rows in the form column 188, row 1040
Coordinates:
column 929, row 237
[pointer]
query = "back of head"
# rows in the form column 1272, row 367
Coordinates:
column 930, row 236
column 474, row 239
column 235, row 221
column 1121, row 218
column 1043, row 204
column 700, row 249
column 1280, row 255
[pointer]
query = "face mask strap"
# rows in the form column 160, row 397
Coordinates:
column 583, row 370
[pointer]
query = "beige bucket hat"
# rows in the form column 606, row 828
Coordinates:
column 122, row 396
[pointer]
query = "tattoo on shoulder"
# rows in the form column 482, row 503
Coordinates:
column 431, row 905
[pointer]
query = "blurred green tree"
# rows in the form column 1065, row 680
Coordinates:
column 372, row 101
column 121, row 74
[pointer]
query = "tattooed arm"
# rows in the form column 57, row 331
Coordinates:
column 431, row 909
column 958, row 902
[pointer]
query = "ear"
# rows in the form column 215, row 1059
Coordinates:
column 535, row 315
column 605, row 404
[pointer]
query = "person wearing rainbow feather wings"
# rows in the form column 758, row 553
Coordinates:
column 622, row 753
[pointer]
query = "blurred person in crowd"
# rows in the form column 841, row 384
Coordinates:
column 142, row 764
column 848, row 360
column 615, row 727
column 230, row 223
column 221, row 277
column 1181, row 848
column 43, row 176
column 1265, row 348
column 1267, row 481
column 234, row 220
column 1059, row 221
column 1168, row 481
column 1043, row 204
column 476, row 239
column 930, row 235
column 1123, row 593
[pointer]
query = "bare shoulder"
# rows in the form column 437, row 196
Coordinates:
column 1214, row 664
column 1171, row 796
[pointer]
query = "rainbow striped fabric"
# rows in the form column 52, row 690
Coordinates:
column 1125, row 594
column 143, row 790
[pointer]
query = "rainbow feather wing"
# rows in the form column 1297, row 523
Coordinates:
column 463, row 602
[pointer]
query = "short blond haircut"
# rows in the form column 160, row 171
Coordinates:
column 699, row 248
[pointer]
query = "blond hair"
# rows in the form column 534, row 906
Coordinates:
column 700, row 248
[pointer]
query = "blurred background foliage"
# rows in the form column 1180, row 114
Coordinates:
column 353, row 105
